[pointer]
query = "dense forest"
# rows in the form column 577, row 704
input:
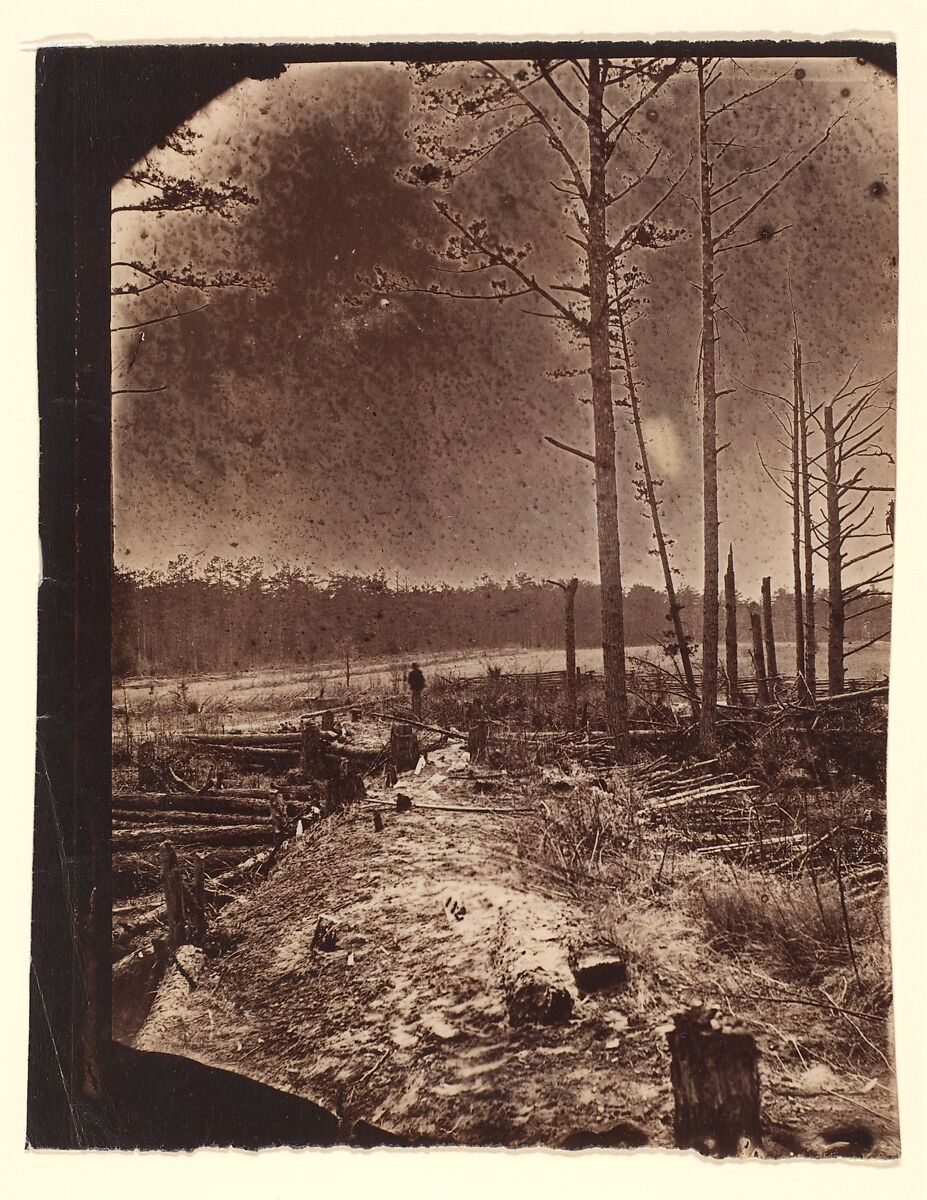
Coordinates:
column 232, row 616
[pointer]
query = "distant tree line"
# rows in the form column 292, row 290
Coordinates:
column 228, row 616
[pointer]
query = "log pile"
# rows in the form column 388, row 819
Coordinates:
column 716, row 813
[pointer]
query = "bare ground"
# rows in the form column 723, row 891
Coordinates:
column 404, row 1025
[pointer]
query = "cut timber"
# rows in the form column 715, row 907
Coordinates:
column 599, row 971
column 197, row 900
column 320, row 758
column 534, row 970
column 716, row 1083
column 476, row 740
column 280, row 755
column 404, row 748
column 345, row 788
column 452, row 733
column 166, row 802
column 136, row 871
column 141, row 817
column 325, row 936
column 874, row 693
column 245, row 739
column 235, row 835
column 172, row 882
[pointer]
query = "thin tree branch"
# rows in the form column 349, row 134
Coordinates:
column 570, row 449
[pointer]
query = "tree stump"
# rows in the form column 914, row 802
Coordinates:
column 198, row 900
column 327, row 720
column 716, row 1083
column 149, row 772
column 312, row 753
column 403, row 803
column 404, row 749
column 325, row 936
column 378, row 822
column 344, row 788
column 278, row 815
column 477, row 737
column 173, row 897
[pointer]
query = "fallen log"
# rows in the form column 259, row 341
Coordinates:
column 244, row 739
column 873, row 693
column 234, row 835
column 285, row 755
column 176, row 816
column 534, row 970
column 251, row 803
column 220, row 802
column 452, row 733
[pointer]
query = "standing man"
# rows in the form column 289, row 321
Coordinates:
column 416, row 682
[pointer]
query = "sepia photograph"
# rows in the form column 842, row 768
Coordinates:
column 488, row 690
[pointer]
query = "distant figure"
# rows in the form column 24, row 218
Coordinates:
column 416, row 682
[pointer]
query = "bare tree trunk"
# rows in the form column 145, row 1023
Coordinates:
column 569, row 639
column 835, row 628
column 759, row 663
column 810, row 640
column 769, row 638
column 796, row 525
column 606, row 491
column 730, row 628
column 675, row 608
column 707, row 740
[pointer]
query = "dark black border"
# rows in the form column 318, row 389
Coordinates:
column 97, row 111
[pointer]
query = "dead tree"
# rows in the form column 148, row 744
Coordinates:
column 647, row 485
column 811, row 644
column 759, row 661
column 582, row 109
column 797, row 582
column 717, row 193
column 850, row 431
column 849, row 424
column 569, row 642
column 769, row 637
column 797, row 494
column 730, row 628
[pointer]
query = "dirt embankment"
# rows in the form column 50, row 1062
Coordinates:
column 404, row 1024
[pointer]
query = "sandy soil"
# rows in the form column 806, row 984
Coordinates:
column 404, row 1024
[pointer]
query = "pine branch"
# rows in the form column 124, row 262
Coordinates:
column 570, row 449
column 777, row 183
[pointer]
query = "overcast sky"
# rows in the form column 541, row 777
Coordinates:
column 408, row 435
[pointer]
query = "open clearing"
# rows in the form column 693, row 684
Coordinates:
column 402, row 1027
